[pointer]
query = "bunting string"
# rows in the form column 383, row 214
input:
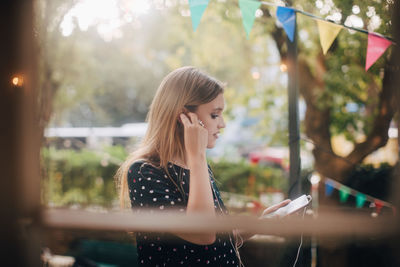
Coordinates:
column 361, row 198
column 329, row 21
column 328, row 30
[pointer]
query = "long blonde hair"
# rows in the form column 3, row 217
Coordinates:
column 186, row 87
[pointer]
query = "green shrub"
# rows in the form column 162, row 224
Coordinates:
column 86, row 177
column 248, row 179
column 80, row 177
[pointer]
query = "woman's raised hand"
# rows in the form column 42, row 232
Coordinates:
column 195, row 135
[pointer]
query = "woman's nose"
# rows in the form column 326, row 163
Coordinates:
column 222, row 123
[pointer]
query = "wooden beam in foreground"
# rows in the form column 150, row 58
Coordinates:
column 330, row 225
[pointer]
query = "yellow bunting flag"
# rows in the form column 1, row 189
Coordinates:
column 327, row 33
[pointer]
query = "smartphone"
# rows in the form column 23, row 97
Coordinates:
column 292, row 207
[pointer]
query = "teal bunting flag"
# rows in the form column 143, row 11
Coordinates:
column 248, row 9
column 197, row 8
column 344, row 192
column 360, row 200
column 287, row 16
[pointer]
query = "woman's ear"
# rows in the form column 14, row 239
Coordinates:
column 185, row 110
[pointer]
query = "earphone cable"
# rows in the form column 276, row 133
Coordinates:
column 301, row 242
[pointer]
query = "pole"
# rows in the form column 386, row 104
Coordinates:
column 294, row 126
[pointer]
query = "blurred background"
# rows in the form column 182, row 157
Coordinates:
column 99, row 63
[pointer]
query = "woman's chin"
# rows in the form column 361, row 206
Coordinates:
column 211, row 145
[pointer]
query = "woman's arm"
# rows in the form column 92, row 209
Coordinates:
column 150, row 191
column 200, row 194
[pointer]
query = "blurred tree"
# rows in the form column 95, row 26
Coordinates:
column 100, row 79
column 341, row 97
column 49, row 16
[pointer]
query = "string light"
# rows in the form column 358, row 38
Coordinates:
column 17, row 81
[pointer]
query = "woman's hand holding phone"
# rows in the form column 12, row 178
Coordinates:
column 195, row 135
column 272, row 209
column 281, row 210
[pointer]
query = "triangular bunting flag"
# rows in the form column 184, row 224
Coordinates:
column 327, row 33
column 360, row 200
column 287, row 17
column 376, row 47
column 344, row 192
column 197, row 8
column 248, row 8
column 378, row 205
column 328, row 188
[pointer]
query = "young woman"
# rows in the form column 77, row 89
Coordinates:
column 169, row 171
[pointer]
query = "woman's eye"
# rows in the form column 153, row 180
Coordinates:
column 214, row 116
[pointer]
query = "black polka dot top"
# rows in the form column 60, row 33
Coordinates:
column 151, row 188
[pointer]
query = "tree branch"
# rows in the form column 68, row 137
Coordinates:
column 378, row 136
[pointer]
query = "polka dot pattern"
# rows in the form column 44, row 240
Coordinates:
column 151, row 188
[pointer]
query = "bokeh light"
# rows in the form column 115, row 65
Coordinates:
column 17, row 80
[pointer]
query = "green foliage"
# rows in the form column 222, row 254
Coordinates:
column 346, row 80
column 244, row 178
column 79, row 177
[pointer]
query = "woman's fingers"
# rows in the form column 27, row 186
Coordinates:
column 190, row 119
column 195, row 136
column 193, row 118
column 185, row 120
column 276, row 206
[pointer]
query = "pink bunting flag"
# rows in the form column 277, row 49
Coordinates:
column 376, row 47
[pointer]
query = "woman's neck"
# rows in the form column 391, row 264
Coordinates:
column 179, row 161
